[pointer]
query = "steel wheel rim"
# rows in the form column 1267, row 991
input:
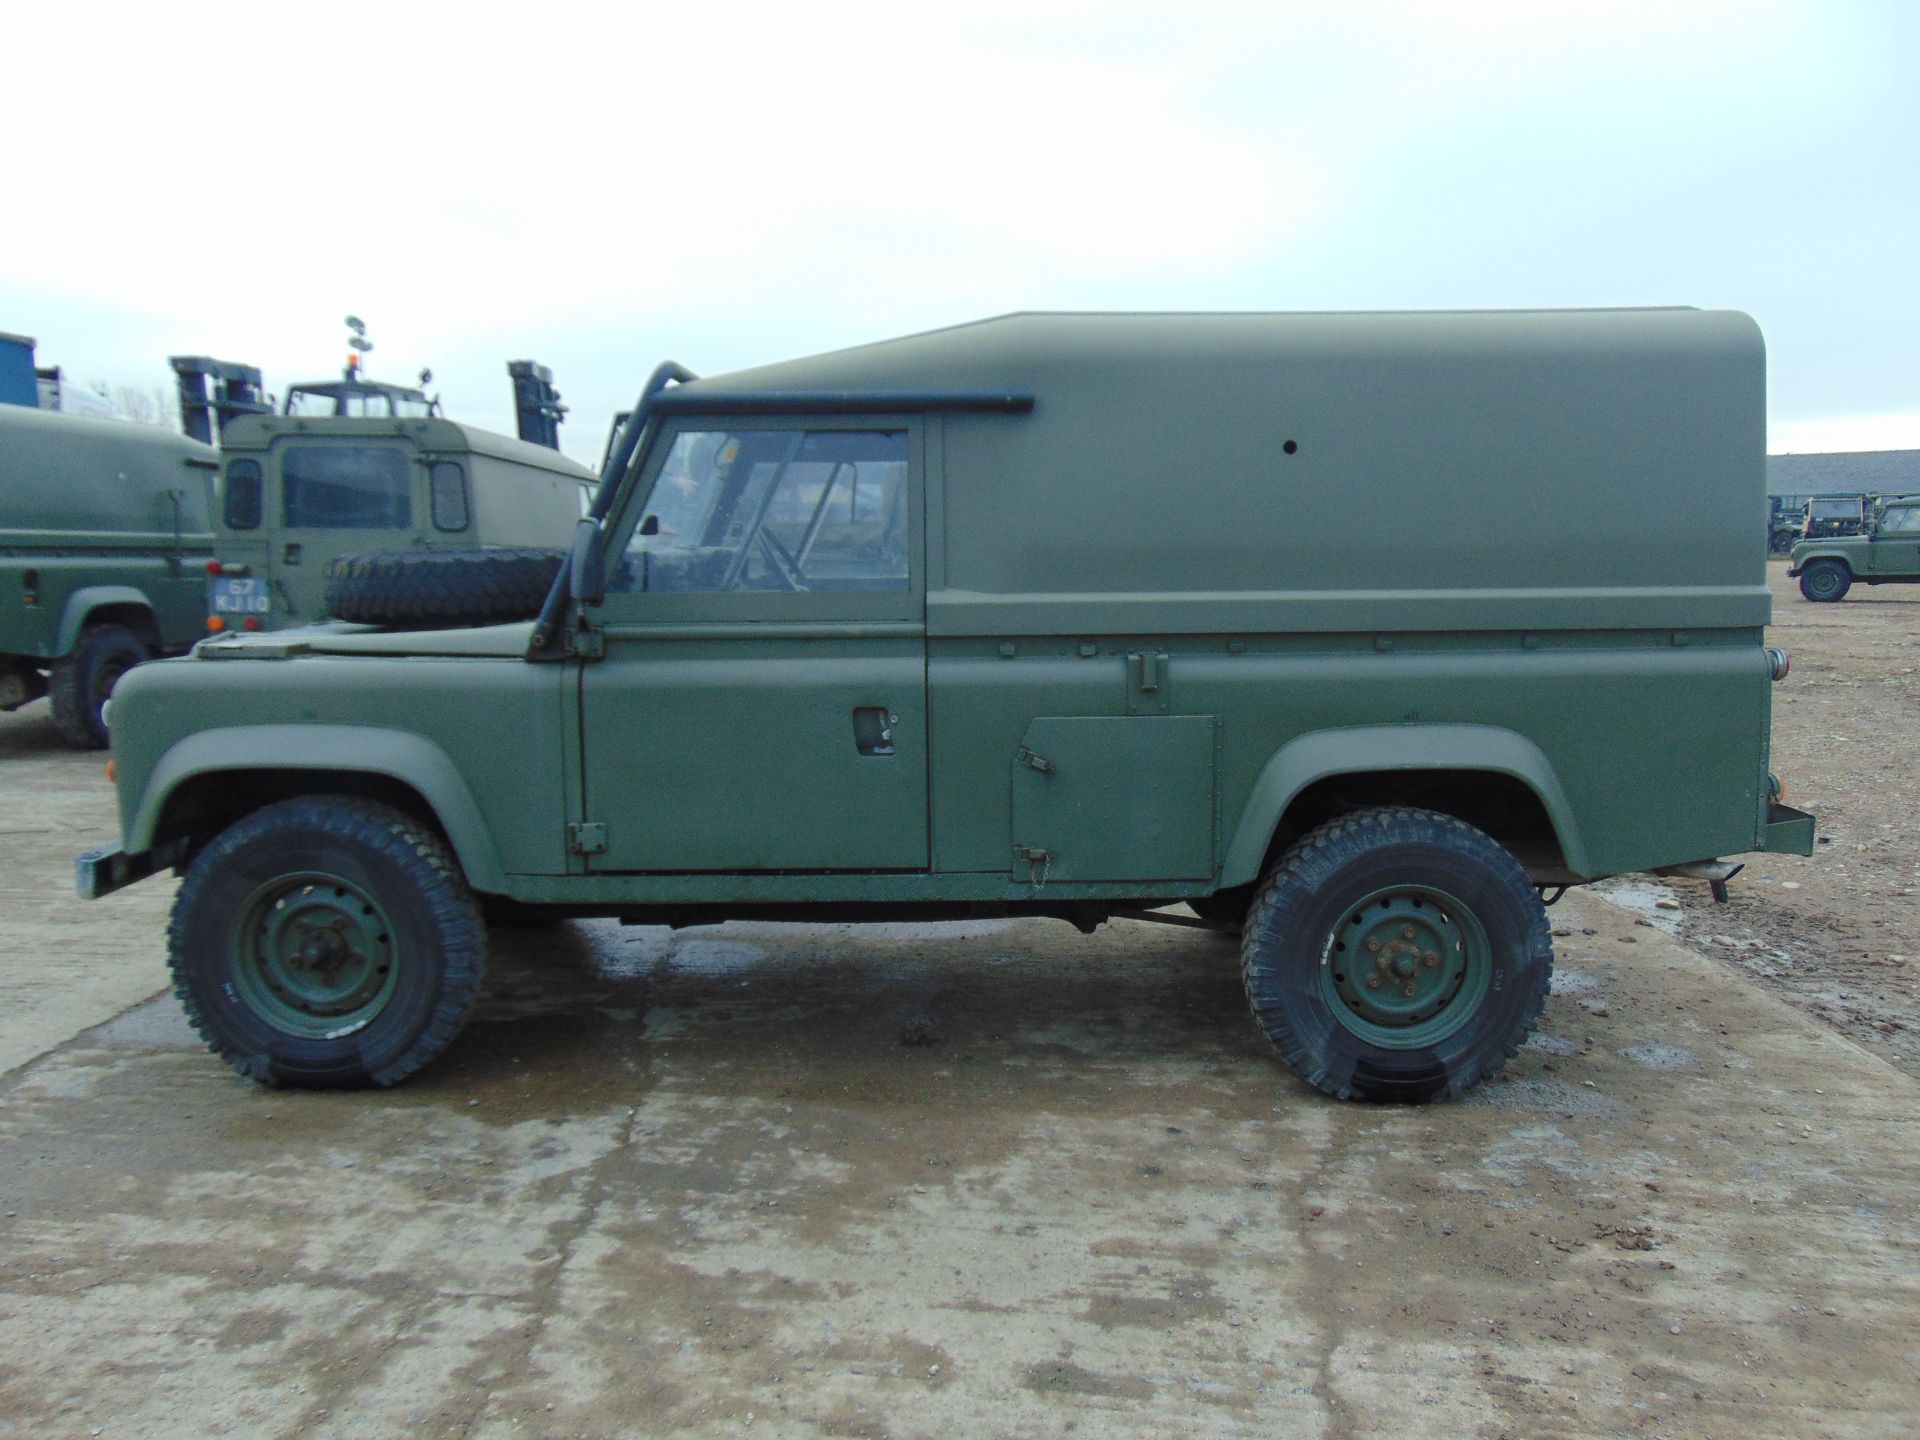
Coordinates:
column 1405, row 967
column 314, row 955
column 1824, row 582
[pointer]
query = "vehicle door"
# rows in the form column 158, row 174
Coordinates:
column 1895, row 550
column 334, row 496
column 761, row 701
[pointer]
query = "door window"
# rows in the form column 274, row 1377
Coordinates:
column 1902, row 520
column 774, row 510
column 243, row 495
column 347, row 487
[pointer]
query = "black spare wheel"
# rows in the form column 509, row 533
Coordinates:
column 440, row 587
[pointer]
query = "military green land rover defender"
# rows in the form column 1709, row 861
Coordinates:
column 1077, row 616
column 1887, row 554
column 104, row 543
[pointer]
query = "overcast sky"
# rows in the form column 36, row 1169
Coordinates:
column 602, row 188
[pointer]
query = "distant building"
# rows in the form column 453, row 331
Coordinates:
column 1796, row 479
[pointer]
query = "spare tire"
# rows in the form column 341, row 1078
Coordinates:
column 440, row 587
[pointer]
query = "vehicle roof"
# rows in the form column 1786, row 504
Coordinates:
column 1038, row 350
column 356, row 387
column 30, row 424
column 256, row 432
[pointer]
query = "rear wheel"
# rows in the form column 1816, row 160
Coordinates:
column 1826, row 580
column 1397, row 954
column 82, row 683
column 326, row 942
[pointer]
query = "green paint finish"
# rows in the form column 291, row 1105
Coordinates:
column 1114, row 799
column 101, row 521
column 334, row 485
column 1106, row 651
column 314, row 955
column 1887, row 553
column 1406, row 967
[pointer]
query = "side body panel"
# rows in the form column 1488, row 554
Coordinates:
column 481, row 739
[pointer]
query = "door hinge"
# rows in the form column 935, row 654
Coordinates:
column 1033, row 760
column 587, row 837
column 586, row 643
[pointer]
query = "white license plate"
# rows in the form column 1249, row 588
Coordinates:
column 238, row 595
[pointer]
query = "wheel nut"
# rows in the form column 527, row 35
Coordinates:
column 1432, row 959
column 1406, row 932
column 1373, row 945
column 1373, row 982
column 1408, row 992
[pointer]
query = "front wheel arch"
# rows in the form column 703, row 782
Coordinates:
column 213, row 777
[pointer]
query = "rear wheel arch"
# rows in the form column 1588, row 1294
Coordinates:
column 97, row 605
column 1491, row 778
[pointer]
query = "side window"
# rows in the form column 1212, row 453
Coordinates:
column 772, row 510
column 346, row 487
column 1901, row 520
column 447, row 487
column 243, row 495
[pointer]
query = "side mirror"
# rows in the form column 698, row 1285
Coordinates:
column 650, row 525
column 587, row 565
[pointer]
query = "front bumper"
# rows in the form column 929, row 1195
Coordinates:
column 1789, row 831
column 109, row 868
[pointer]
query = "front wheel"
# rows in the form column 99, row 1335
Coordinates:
column 1397, row 955
column 1826, row 580
column 326, row 941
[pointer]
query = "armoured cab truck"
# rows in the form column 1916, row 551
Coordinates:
column 104, row 542
column 1887, row 554
column 352, row 470
column 1047, row 615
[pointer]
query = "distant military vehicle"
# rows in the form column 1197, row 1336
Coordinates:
column 1830, row 515
column 355, row 467
column 104, row 543
column 1057, row 615
column 1887, row 554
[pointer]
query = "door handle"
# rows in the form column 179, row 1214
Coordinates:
column 291, row 555
column 873, row 729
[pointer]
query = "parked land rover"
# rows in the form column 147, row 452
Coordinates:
column 1078, row 616
column 104, row 543
column 1887, row 554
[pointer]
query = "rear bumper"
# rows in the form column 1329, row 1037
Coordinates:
column 109, row 868
column 1789, row 831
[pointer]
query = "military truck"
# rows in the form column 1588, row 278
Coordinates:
column 1055, row 615
column 1887, row 554
column 104, row 543
column 352, row 468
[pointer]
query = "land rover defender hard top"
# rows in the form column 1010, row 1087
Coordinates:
column 1888, row 553
column 1079, row 616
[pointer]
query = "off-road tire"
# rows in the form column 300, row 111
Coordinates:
column 1305, row 905
column 440, row 587
column 83, row 682
column 403, row 867
column 1825, row 581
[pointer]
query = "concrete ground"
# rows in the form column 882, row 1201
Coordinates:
column 993, row 1179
